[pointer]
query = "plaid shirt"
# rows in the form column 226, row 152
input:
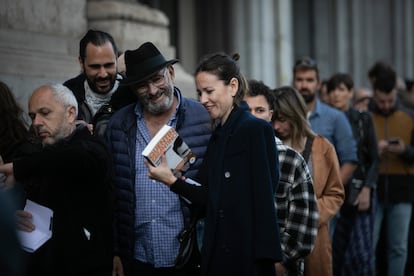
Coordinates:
column 297, row 208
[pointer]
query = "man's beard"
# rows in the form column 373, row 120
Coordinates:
column 92, row 84
column 307, row 97
column 158, row 108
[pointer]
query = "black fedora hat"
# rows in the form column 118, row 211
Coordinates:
column 143, row 62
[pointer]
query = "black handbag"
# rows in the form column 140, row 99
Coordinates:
column 188, row 243
column 355, row 185
column 352, row 191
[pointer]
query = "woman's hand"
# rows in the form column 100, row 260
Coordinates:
column 7, row 177
column 162, row 172
column 117, row 267
column 364, row 199
column 280, row 269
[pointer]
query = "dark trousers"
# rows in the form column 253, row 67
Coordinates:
column 140, row 268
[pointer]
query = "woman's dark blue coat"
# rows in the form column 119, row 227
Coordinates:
column 240, row 173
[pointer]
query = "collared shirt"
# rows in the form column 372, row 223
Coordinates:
column 158, row 214
column 333, row 125
column 297, row 208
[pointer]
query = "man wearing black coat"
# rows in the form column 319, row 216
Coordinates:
column 70, row 175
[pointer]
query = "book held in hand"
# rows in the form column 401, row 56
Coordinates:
column 178, row 154
column 42, row 219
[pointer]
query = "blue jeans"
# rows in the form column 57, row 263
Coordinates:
column 398, row 217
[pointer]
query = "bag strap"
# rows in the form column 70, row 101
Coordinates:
column 308, row 148
column 361, row 149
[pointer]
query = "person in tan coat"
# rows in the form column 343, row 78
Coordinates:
column 291, row 126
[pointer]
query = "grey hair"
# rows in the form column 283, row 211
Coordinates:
column 64, row 95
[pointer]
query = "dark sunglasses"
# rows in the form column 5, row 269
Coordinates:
column 306, row 61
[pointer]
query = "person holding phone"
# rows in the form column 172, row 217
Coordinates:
column 394, row 127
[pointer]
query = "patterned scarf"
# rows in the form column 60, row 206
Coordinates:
column 95, row 100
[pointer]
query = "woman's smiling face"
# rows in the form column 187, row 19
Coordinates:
column 216, row 96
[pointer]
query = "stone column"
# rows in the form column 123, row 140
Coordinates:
column 38, row 43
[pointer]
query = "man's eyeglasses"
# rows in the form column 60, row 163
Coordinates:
column 157, row 80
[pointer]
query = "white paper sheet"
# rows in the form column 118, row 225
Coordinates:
column 42, row 219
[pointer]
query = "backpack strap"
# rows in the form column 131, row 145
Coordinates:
column 308, row 148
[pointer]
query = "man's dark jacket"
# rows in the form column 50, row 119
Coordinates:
column 121, row 97
column 72, row 177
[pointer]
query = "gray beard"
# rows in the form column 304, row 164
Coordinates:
column 159, row 108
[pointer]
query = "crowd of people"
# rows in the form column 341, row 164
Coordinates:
column 315, row 178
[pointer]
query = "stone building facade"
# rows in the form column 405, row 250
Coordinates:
column 39, row 39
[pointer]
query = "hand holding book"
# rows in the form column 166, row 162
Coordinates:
column 36, row 223
column 162, row 172
column 168, row 142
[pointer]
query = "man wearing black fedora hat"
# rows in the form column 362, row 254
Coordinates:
column 149, row 217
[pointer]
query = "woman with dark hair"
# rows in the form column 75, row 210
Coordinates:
column 14, row 142
column 15, row 137
column 239, row 176
column 13, row 129
column 353, row 249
